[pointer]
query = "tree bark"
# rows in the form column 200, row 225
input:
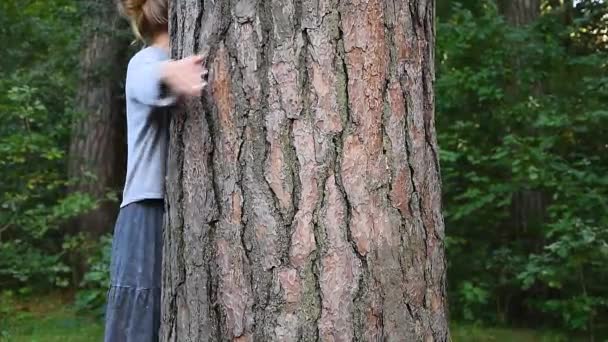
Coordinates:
column 520, row 12
column 97, row 147
column 304, row 198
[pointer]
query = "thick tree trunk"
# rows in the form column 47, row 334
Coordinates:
column 520, row 12
column 304, row 191
column 97, row 148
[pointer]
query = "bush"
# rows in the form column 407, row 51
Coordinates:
column 94, row 286
column 520, row 113
column 37, row 86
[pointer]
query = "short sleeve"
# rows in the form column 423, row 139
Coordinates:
column 144, row 83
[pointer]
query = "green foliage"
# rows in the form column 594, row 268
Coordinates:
column 94, row 286
column 474, row 298
column 6, row 311
column 521, row 113
column 37, row 87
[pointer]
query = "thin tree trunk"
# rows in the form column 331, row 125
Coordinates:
column 97, row 148
column 304, row 191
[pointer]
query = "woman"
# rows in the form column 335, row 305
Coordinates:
column 153, row 83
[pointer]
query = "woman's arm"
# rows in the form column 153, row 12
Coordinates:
column 182, row 77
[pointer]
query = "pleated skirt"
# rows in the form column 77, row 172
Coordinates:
column 133, row 304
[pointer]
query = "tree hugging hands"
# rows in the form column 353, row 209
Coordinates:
column 185, row 77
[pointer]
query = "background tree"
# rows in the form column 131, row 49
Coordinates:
column 304, row 196
column 528, row 206
column 97, row 148
column 520, row 12
column 539, row 274
column 37, row 86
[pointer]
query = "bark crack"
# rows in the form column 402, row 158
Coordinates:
column 340, row 142
column 414, row 17
column 408, row 148
column 359, row 297
column 213, row 285
column 297, row 189
column 197, row 25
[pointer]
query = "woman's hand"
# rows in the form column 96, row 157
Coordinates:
column 185, row 76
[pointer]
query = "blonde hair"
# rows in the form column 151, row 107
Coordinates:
column 147, row 17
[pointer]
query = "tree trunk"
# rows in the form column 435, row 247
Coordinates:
column 304, row 190
column 520, row 12
column 528, row 207
column 97, row 148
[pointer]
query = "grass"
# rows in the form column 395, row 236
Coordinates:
column 468, row 333
column 51, row 319
column 48, row 319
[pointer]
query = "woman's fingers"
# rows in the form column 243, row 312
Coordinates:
column 196, row 89
column 187, row 76
column 197, row 59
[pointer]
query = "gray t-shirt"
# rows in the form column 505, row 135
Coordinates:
column 147, row 127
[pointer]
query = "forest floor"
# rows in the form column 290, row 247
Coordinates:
column 52, row 319
column 46, row 319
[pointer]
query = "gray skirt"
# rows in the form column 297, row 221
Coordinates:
column 133, row 307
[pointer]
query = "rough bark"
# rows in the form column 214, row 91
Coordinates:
column 304, row 199
column 520, row 12
column 97, row 147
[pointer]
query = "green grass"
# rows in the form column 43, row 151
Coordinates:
column 51, row 319
column 46, row 320
column 467, row 333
